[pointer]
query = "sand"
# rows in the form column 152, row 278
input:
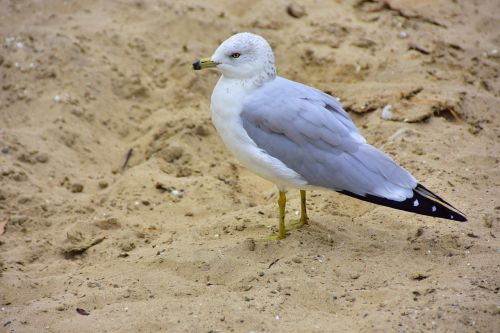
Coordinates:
column 172, row 238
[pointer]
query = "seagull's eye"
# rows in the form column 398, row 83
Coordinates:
column 235, row 55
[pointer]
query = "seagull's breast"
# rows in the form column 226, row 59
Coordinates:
column 227, row 104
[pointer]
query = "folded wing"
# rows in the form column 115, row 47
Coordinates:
column 310, row 133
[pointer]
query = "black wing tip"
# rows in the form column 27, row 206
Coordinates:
column 418, row 204
column 461, row 218
column 453, row 217
column 454, row 213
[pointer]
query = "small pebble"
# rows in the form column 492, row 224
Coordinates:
column 103, row 184
column 295, row 10
column 42, row 157
column 177, row 193
column 92, row 284
column 493, row 53
column 386, row 112
column 76, row 188
column 403, row 35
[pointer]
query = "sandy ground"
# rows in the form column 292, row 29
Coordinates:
column 173, row 240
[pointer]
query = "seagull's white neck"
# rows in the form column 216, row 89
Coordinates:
column 230, row 92
column 228, row 96
column 268, row 74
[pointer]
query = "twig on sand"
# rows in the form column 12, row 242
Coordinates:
column 75, row 250
column 418, row 48
column 271, row 264
column 127, row 158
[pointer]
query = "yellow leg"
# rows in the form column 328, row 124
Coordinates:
column 303, row 209
column 281, row 203
column 303, row 212
column 282, row 230
column 297, row 224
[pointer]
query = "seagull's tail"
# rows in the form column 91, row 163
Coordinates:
column 422, row 202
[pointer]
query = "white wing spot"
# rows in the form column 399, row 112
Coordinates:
column 451, row 217
column 415, row 203
column 434, row 208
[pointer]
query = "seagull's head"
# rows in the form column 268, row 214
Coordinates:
column 241, row 56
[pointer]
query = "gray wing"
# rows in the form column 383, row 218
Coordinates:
column 310, row 133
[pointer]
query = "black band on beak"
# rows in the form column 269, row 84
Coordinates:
column 197, row 65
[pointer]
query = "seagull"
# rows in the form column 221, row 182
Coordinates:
column 299, row 137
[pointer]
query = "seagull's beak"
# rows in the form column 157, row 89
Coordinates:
column 203, row 63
